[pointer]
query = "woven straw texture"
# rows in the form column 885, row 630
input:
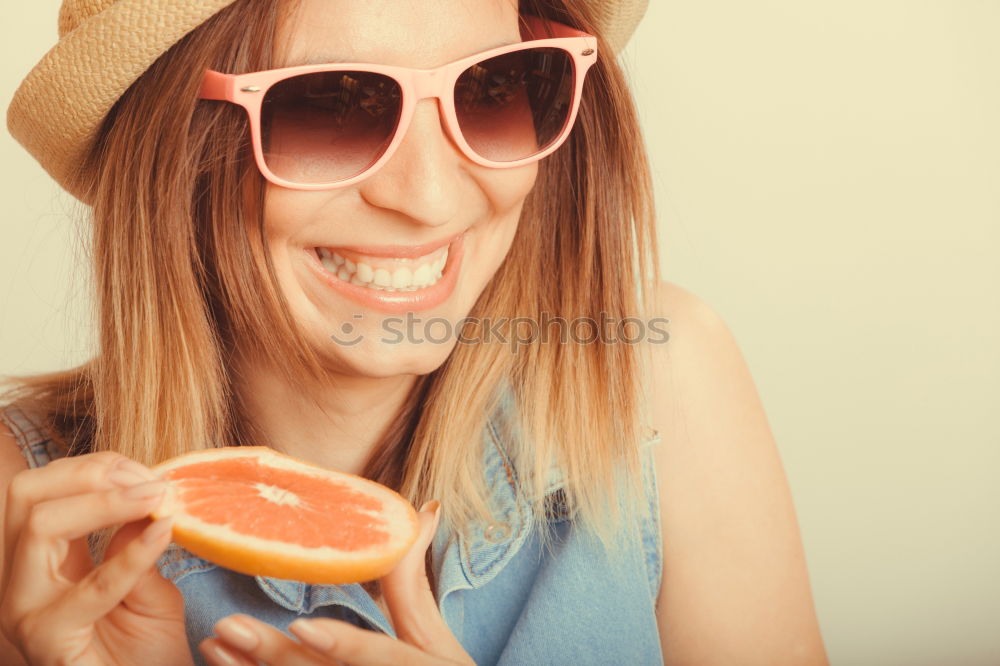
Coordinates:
column 105, row 45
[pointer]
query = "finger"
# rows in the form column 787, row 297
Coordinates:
column 411, row 603
column 406, row 588
column 50, row 524
column 148, row 596
column 361, row 647
column 253, row 639
column 105, row 587
column 36, row 576
column 218, row 653
column 62, row 477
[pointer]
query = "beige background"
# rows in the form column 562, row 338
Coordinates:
column 828, row 179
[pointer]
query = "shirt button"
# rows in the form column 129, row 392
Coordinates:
column 497, row 532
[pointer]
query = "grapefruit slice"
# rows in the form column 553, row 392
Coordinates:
column 260, row 512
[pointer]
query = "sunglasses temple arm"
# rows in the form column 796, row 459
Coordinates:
column 216, row 85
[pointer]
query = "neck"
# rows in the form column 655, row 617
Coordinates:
column 335, row 428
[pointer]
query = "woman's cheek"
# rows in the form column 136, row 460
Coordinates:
column 286, row 210
column 508, row 188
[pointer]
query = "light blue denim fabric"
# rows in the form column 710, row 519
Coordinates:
column 508, row 602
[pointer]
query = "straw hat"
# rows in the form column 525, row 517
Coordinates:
column 105, row 45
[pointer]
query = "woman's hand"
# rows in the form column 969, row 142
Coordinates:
column 57, row 607
column 424, row 637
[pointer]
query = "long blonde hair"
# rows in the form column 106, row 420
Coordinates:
column 182, row 274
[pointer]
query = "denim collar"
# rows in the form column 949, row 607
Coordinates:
column 469, row 560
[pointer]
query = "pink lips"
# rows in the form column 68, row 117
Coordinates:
column 398, row 251
column 397, row 302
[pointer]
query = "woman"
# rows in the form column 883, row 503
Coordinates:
column 272, row 255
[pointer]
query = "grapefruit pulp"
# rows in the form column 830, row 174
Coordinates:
column 260, row 512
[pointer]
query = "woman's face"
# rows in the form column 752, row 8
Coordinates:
column 428, row 193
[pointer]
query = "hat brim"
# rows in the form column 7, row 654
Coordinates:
column 56, row 110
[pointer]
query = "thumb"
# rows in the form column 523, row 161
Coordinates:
column 152, row 594
column 411, row 603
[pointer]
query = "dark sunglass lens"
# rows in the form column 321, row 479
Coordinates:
column 326, row 127
column 515, row 105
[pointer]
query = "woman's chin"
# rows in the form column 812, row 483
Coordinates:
column 382, row 355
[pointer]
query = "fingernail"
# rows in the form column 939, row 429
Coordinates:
column 157, row 529
column 126, row 477
column 129, row 465
column 237, row 633
column 146, row 490
column 435, row 506
column 223, row 655
column 312, row 635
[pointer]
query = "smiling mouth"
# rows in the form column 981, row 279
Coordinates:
column 384, row 273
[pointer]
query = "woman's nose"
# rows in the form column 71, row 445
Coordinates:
column 424, row 178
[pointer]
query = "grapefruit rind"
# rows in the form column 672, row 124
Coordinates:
column 256, row 556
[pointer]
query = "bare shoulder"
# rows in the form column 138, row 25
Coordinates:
column 735, row 584
column 11, row 462
column 11, row 459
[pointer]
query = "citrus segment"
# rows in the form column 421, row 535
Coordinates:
column 260, row 512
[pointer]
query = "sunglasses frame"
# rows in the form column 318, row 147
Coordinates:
column 249, row 90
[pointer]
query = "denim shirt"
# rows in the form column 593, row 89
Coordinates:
column 506, row 600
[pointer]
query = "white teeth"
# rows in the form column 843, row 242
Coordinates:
column 365, row 272
column 403, row 278
column 422, row 275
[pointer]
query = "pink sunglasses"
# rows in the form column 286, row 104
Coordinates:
column 317, row 127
